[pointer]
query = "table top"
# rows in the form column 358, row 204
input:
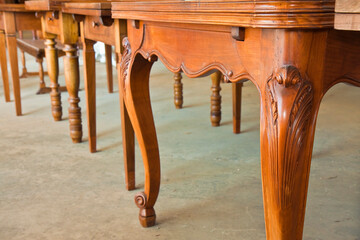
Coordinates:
column 243, row 13
column 347, row 15
column 13, row 7
column 50, row 5
column 92, row 9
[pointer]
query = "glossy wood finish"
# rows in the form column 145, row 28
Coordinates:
column 178, row 91
column 95, row 25
column 292, row 68
column 14, row 17
column 3, row 65
column 55, row 24
column 236, row 104
column 215, row 112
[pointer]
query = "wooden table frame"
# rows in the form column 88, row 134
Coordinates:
column 288, row 49
column 13, row 18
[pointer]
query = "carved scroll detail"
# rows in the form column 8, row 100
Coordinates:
column 289, row 105
column 125, row 61
column 140, row 200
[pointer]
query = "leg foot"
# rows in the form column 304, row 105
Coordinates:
column 147, row 216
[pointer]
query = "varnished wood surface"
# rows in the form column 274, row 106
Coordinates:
column 265, row 14
column 292, row 69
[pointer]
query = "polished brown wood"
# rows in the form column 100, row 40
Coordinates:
column 236, row 103
column 14, row 18
column 55, row 24
column 215, row 112
column 95, row 25
column 36, row 48
column 292, row 61
column 3, row 65
column 109, row 68
column 178, row 91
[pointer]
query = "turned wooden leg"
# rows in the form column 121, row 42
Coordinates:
column 71, row 65
column 42, row 88
column 108, row 56
column 134, row 82
column 53, row 71
column 23, row 62
column 288, row 120
column 12, row 49
column 215, row 113
column 236, row 102
column 90, row 90
column 3, row 65
column 178, row 91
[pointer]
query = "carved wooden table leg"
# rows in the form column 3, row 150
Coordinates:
column 71, row 65
column 10, row 31
column 236, row 102
column 293, row 85
column 3, row 65
column 215, row 113
column 53, row 71
column 90, row 90
column 135, row 71
column 287, row 134
column 178, row 91
column 108, row 55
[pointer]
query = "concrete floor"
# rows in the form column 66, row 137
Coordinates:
column 211, row 181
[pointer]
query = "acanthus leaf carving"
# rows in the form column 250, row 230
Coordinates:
column 125, row 62
column 289, row 107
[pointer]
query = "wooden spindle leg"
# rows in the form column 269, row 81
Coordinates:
column 236, row 102
column 3, row 65
column 10, row 31
column 71, row 65
column 135, row 86
column 287, row 133
column 90, row 90
column 53, row 71
column 108, row 56
column 178, row 91
column 215, row 113
column 42, row 86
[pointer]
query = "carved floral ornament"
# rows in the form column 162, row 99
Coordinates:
column 125, row 61
column 289, row 103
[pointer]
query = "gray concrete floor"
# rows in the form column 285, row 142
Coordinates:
column 211, row 181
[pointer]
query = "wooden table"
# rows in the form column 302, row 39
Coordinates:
column 96, row 24
column 56, row 23
column 13, row 18
column 288, row 49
